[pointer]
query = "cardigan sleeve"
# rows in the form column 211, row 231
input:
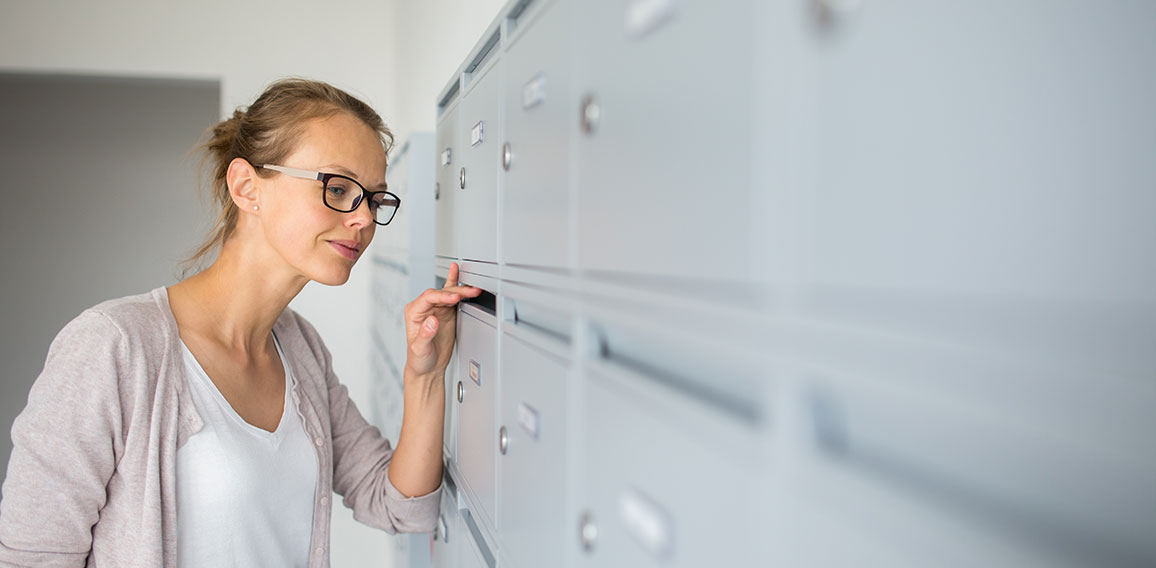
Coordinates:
column 65, row 444
column 361, row 457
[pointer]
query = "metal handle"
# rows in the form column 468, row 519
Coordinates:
column 587, row 531
column 440, row 531
column 463, row 178
column 506, row 156
column 503, row 440
column 591, row 114
column 461, row 392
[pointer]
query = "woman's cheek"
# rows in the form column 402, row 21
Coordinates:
column 369, row 233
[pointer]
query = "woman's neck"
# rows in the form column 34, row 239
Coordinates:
column 234, row 302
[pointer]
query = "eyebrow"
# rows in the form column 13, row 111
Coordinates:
column 337, row 168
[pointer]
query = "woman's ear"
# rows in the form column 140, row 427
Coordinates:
column 243, row 183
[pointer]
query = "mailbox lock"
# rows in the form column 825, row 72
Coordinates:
column 437, row 191
column 587, row 531
column 461, row 391
column 463, row 178
column 506, row 156
column 591, row 114
column 503, row 440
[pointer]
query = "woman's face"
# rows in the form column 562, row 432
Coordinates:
column 320, row 243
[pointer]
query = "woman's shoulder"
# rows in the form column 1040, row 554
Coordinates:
column 115, row 335
column 141, row 317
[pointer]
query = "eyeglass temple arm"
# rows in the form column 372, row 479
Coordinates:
column 307, row 174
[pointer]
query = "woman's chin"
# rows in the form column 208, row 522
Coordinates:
column 332, row 277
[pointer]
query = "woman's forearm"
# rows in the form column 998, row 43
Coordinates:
column 416, row 468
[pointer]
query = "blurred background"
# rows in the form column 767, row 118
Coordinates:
column 797, row 282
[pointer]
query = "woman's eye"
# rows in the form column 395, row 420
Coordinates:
column 337, row 189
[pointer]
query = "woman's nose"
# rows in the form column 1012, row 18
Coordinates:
column 361, row 215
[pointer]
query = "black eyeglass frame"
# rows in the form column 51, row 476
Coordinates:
column 324, row 178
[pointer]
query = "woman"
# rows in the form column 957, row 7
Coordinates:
column 201, row 424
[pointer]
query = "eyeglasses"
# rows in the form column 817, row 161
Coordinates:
column 341, row 193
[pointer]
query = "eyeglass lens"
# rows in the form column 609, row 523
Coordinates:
column 343, row 194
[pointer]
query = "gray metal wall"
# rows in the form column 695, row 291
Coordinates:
column 802, row 283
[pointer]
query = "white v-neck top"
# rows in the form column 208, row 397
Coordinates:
column 245, row 495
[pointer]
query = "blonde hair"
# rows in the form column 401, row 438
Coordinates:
column 265, row 133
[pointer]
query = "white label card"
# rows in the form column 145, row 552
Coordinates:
column 446, row 157
column 534, row 92
column 528, row 418
column 476, row 372
column 478, row 133
column 647, row 522
column 645, row 16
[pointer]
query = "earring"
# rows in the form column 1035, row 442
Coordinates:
column 254, row 208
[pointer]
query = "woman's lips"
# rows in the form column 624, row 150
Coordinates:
column 347, row 250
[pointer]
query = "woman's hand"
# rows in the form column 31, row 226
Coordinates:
column 430, row 323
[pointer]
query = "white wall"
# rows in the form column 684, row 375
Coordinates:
column 245, row 44
column 395, row 54
column 432, row 39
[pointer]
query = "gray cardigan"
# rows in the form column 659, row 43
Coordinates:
column 92, row 477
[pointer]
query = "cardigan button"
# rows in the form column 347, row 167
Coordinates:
column 319, row 551
column 317, row 441
column 324, row 500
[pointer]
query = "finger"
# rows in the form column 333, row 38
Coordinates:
column 443, row 298
column 425, row 334
column 466, row 290
column 429, row 328
column 452, row 277
column 432, row 299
